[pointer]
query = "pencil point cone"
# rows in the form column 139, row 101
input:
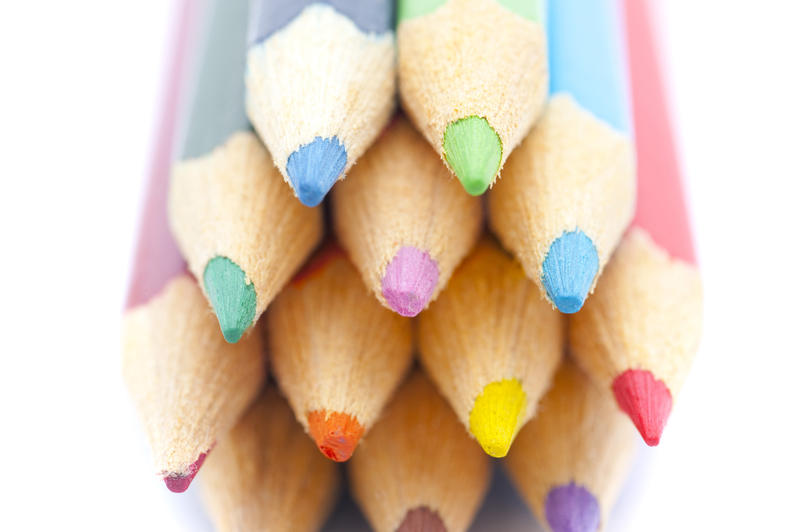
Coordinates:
column 495, row 417
column 409, row 281
column 336, row 434
column 179, row 482
column 646, row 400
column 569, row 270
column 572, row 508
column 314, row 167
column 473, row 150
column 422, row 519
column 231, row 295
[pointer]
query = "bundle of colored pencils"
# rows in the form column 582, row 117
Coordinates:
column 542, row 337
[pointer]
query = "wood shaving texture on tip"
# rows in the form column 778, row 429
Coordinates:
column 266, row 475
column 647, row 314
column 419, row 455
column 579, row 435
column 232, row 203
column 488, row 325
column 399, row 195
column 334, row 348
column 472, row 58
column 320, row 76
column 188, row 384
column 572, row 172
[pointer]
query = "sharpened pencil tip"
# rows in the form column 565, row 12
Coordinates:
column 314, row 167
column 422, row 519
column 646, row 400
column 572, row 508
column 409, row 281
column 231, row 295
column 473, row 150
column 179, row 482
column 569, row 270
column 495, row 416
column 336, row 434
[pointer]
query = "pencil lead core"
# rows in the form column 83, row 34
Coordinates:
column 569, row 269
column 473, row 150
column 422, row 519
column 336, row 434
column 494, row 419
column 646, row 400
column 409, row 281
column 313, row 168
column 179, row 482
column 572, row 508
column 231, row 295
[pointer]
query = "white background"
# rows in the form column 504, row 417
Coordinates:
column 79, row 89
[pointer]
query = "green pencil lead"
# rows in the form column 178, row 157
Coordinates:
column 233, row 298
column 473, row 150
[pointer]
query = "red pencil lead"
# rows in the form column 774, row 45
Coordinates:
column 646, row 400
column 179, row 482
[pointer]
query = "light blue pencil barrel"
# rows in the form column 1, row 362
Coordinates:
column 587, row 63
column 587, row 58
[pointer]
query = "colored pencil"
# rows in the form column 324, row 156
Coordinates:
column 491, row 345
column 638, row 334
column 417, row 469
column 473, row 78
column 187, row 384
column 568, row 192
column 236, row 223
column 336, row 353
column 320, row 85
column 570, row 460
column 405, row 223
column 266, row 475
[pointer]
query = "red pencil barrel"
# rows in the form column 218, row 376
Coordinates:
column 661, row 207
column 157, row 258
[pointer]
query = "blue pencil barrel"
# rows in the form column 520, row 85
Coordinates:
column 587, row 59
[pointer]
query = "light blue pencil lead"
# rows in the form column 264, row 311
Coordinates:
column 569, row 270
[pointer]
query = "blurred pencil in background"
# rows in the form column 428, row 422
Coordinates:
column 491, row 345
column 266, row 475
column 240, row 229
column 638, row 334
column 570, row 461
column 568, row 192
column 473, row 78
column 187, row 384
column 320, row 85
column 336, row 353
column 404, row 221
column 417, row 469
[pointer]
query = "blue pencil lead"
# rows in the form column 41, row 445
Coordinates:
column 314, row 167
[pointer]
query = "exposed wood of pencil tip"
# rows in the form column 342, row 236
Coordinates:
column 578, row 438
column 572, row 172
column 266, row 475
column 320, row 48
column 400, row 196
column 232, row 203
column 646, row 314
column 336, row 353
column 187, row 383
column 491, row 344
column 418, row 465
column 472, row 58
